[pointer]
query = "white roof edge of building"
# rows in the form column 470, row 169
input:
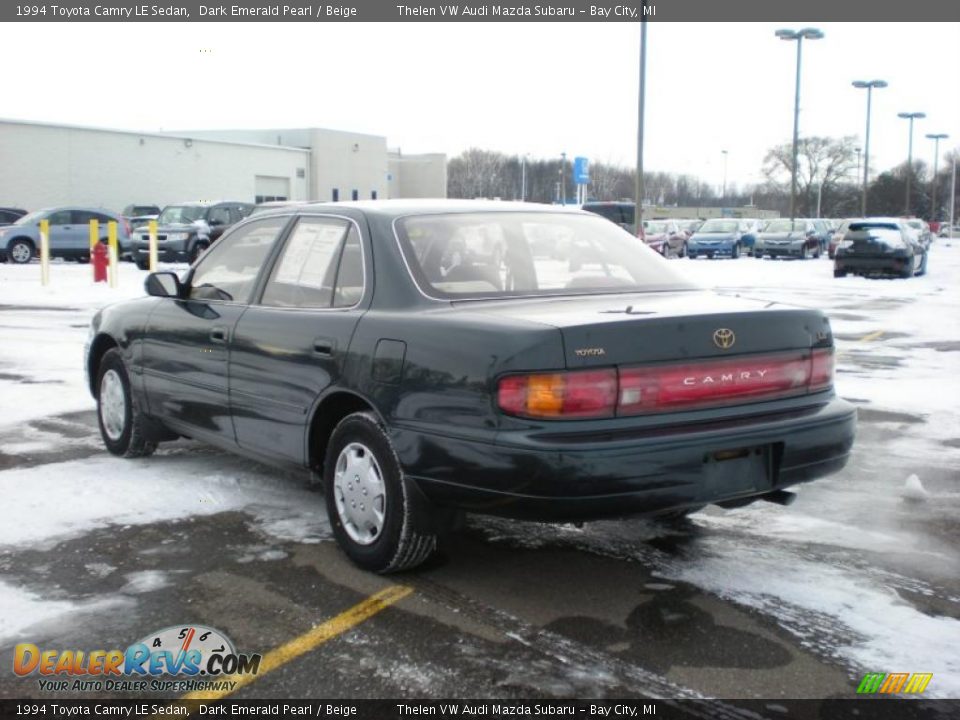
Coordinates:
column 172, row 135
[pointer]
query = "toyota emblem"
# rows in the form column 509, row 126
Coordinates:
column 724, row 338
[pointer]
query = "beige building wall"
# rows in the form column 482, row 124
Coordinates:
column 44, row 165
column 348, row 162
column 418, row 176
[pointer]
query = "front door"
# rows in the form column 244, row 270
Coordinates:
column 187, row 341
column 292, row 343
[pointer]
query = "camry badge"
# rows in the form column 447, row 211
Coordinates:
column 724, row 338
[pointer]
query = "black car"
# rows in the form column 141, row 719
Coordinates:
column 186, row 230
column 8, row 215
column 880, row 247
column 622, row 212
column 357, row 341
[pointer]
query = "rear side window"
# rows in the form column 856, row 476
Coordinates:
column 229, row 269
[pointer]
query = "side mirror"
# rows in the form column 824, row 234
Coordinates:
column 163, row 284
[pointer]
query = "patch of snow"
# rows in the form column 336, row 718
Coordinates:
column 144, row 581
column 914, row 490
column 22, row 609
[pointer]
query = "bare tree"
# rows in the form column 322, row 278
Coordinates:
column 823, row 164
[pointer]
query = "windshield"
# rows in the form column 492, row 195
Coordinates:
column 181, row 214
column 718, row 226
column 33, row 217
column 779, row 226
column 655, row 227
column 504, row 254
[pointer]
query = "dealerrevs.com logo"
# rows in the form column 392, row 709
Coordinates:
column 204, row 659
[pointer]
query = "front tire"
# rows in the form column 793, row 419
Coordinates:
column 119, row 418
column 735, row 253
column 378, row 517
column 20, row 251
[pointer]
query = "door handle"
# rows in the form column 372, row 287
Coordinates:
column 324, row 347
column 218, row 334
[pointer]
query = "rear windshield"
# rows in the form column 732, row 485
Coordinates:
column 510, row 254
column 873, row 225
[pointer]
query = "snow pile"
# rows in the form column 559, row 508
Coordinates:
column 914, row 490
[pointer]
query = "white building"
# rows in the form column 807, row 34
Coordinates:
column 43, row 164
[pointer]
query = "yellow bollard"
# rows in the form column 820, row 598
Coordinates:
column 94, row 239
column 44, row 252
column 112, row 242
column 152, row 229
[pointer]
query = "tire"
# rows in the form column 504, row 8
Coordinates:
column 198, row 249
column 119, row 418
column 735, row 253
column 839, row 273
column 404, row 533
column 923, row 265
column 20, row 251
column 692, row 256
column 142, row 262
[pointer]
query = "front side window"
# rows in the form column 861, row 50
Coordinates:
column 229, row 269
column 502, row 254
column 321, row 266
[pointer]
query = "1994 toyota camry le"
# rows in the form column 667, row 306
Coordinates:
column 423, row 358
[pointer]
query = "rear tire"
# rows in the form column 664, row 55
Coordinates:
column 379, row 518
column 119, row 418
column 839, row 273
column 20, row 251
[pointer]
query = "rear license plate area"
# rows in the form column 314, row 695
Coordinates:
column 737, row 471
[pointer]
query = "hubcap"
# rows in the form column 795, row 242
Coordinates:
column 21, row 253
column 113, row 410
column 359, row 493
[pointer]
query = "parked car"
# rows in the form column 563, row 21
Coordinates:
column 617, row 389
column 665, row 237
column 880, row 246
column 716, row 237
column 786, row 238
column 186, row 230
column 689, row 227
column 823, row 230
column 623, row 213
column 947, row 232
column 9, row 215
column 69, row 233
column 920, row 229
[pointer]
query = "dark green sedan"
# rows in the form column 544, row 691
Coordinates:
column 420, row 359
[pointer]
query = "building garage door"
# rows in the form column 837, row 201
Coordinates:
column 268, row 188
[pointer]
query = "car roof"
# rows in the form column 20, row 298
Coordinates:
column 401, row 208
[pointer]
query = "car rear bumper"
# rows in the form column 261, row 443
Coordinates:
column 870, row 265
column 634, row 472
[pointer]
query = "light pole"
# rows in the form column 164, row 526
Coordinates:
column 724, row 174
column 798, row 35
column 523, row 177
column 911, row 117
column 859, row 150
column 869, row 85
column 936, row 137
column 639, row 189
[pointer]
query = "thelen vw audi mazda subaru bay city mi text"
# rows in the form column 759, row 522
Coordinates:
column 574, row 375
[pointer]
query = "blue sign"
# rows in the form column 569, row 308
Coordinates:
column 581, row 171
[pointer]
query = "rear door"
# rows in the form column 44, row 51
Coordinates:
column 187, row 342
column 68, row 236
column 292, row 344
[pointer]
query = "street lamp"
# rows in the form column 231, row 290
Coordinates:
column 724, row 174
column 911, row 117
column 523, row 177
column 858, row 151
column 869, row 85
column 936, row 137
column 798, row 35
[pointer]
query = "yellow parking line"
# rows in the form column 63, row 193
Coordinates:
column 872, row 336
column 310, row 640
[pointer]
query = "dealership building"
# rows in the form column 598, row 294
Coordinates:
column 43, row 165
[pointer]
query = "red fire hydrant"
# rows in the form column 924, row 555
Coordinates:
column 100, row 260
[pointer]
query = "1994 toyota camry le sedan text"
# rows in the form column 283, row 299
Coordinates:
column 423, row 358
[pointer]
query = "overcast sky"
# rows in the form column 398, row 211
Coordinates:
column 537, row 88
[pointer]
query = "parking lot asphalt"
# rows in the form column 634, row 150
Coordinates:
column 763, row 602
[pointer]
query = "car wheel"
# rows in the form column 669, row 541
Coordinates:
column 839, row 273
column 692, row 256
column 198, row 249
column 923, row 265
column 120, row 420
column 735, row 253
column 379, row 518
column 20, row 251
column 709, row 256
column 142, row 262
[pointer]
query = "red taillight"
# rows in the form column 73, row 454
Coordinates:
column 578, row 394
column 662, row 388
